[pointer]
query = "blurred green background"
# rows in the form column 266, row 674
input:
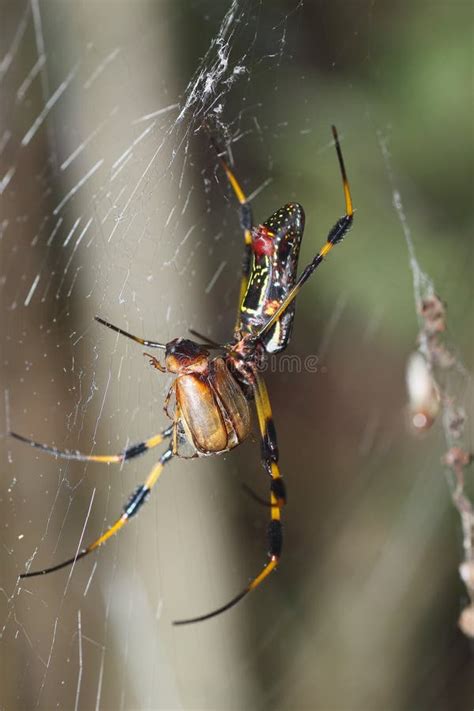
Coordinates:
column 362, row 613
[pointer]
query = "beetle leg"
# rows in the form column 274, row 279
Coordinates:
column 177, row 415
column 167, row 402
column 155, row 362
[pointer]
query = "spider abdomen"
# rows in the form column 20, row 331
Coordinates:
column 273, row 271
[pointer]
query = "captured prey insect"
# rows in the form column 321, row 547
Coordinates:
column 211, row 411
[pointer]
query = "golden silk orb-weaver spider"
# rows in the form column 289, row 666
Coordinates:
column 212, row 393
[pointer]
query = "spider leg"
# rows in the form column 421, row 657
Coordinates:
column 269, row 448
column 269, row 445
column 336, row 235
column 143, row 341
column 129, row 453
column 258, row 499
column 246, row 223
column 277, row 499
column 131, row 508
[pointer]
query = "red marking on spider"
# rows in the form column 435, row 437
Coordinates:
column 262, row 241
column 271, row 307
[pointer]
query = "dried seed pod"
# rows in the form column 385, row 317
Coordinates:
column 466, row 571
column 433, row 312
column 423, row 393
column 456, row 458
column 466, row 621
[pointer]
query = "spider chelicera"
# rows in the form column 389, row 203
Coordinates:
column 212, row 393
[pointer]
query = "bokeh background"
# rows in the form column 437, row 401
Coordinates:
column 362, row 613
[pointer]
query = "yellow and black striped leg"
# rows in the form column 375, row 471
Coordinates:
column 277, row 499
column 131, row 508
column 246, row 222
column 269, row 443
column 137, row 339
column 134, row 450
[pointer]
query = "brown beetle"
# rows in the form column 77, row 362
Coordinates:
column 210, row 407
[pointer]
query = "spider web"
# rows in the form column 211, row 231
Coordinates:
column 112, row 204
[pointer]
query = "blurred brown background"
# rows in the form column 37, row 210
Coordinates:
column 363, row 611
